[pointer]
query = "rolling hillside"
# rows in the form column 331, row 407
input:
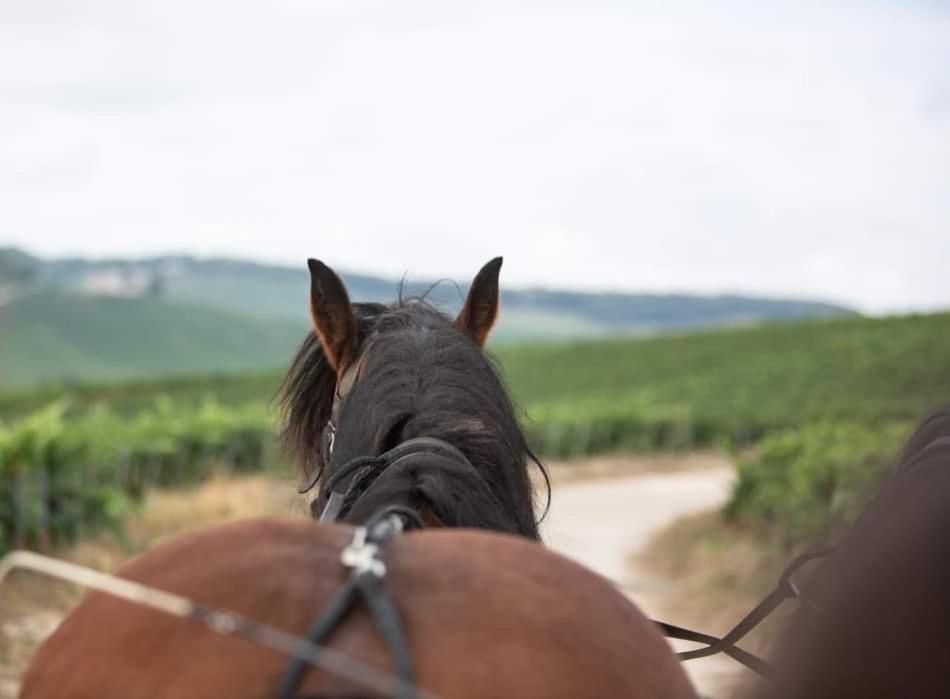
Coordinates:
column 742, row 380
column 53, row 337
column 72, row 320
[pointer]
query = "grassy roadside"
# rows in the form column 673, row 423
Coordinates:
column 31, row 605
column 722, row 570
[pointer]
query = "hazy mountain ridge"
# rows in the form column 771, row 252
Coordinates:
column 274, row 291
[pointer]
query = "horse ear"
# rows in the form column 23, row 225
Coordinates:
column 332, row 315
column 481, row 306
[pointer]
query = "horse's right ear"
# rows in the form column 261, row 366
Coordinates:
column 480, row 309
column 332, row 315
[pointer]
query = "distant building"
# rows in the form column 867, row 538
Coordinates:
column 117, row 281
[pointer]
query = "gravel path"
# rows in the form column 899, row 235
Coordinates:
column 601, row 523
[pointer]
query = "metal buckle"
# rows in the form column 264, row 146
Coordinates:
column 361, row 556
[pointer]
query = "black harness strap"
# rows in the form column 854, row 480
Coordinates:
column 359, row 469
column 356, row 468
column 337, row 610
column 383, row 610
column 366, row 584
column 785, row 590
column 364, row 470
column 753, row 662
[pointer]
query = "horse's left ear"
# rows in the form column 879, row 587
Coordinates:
column 481, row 306
column 332, row 314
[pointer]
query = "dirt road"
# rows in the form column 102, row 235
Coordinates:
column 601, row 523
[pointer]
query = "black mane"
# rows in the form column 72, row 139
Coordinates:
column 421, row 378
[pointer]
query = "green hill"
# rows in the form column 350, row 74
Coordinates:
column 738, row 383
column 670, row 390
column 53, row 337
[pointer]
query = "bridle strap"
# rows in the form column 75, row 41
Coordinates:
column 369, row 468
column 344, row 385
column 334, row 614
column 221, row 621
column 424, row 444
column 366, row 584
column 333, row 507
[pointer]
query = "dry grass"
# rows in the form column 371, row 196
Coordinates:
column 166, row 514
column 31, row 606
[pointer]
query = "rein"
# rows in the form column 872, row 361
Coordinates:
column 302, row 651
column 785, row 590
column 367, row 584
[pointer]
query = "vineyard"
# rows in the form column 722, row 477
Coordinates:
column 61, row 475
column 825, row 405
column 731, row 386
column 806, row 482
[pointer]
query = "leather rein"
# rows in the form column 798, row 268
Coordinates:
column 366, row 585
column 785, row 590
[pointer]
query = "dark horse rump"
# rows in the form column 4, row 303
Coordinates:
column 877, row 621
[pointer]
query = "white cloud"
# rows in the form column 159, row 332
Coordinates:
column 788, row 149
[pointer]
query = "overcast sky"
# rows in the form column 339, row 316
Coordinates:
column 800, row 148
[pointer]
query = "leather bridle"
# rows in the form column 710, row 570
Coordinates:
column 345, row 485
column 367, row 584
column 344, row 386
column 354, row 478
